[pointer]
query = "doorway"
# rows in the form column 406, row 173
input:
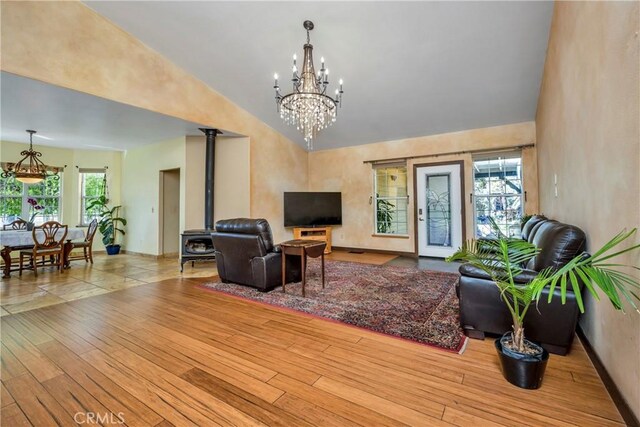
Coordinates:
column 439, row 208
column 169, row 243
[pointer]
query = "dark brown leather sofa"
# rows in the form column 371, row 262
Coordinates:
column 245, row 254
column 550, row 324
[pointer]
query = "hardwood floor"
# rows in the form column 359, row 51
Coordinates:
column 169, row 353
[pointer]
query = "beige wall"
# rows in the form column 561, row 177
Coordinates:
column 232, row 179
column 141, row 186
column 141, row 192
column 70, row 45
column 343, row 170
column 73, row 159
column 588, row 134
column 233, row 182
column 276, row 168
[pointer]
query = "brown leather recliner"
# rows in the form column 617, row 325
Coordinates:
column 245, row 254
column 550, row 324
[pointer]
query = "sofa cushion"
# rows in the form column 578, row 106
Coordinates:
column 528, row 226
column 558, row 243
column 259, row 227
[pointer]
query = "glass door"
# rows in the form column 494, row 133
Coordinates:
column 439, row 210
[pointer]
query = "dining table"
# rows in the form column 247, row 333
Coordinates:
column 17, row 240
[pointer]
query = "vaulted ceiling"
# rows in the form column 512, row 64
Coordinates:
column 410, row 68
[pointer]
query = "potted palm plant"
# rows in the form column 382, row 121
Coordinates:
column 522, row 361
column 109, row 224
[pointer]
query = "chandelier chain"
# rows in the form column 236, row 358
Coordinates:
column 308, row 107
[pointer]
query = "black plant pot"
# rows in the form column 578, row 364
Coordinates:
column 521, row 370
column 113, row 249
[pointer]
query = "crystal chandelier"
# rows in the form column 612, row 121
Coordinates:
column 308, row 107
column 30, row 169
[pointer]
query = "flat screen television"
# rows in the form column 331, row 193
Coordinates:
column 308, row 209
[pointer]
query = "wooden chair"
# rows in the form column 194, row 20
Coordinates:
column 48, row 240
column 18, row 224
column 86, row 244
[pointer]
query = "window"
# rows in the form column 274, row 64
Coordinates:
column 390, row 201
column 497, row 186
column 92, row 186
column 14, row 200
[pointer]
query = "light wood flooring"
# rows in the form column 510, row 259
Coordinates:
column 169, row 353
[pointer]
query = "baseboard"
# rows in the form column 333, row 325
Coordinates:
column 623, row 407
column 375, row 251
column 173, row 255
column 122, row 251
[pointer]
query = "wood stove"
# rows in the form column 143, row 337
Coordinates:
column 197, row 245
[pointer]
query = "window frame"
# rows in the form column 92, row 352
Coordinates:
column 398, row 199
column 491, row 196
column 24, row 207
column 82, row 172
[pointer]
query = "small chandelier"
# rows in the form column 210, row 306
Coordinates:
column 30, row 169
column 308, row 107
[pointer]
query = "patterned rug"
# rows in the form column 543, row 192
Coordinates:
column 412, row 304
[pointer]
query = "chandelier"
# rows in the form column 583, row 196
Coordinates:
column 30, row 169
column 308, row 107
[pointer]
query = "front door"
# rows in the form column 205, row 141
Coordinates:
column 439, row 210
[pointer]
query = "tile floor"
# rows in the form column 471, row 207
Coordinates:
column 82, row 280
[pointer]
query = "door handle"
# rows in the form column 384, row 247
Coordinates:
column 420, row 219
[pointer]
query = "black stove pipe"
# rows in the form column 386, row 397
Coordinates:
column 210, row 161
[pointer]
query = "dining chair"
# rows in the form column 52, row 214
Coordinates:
column 86, row 244
column 18, row 224
column 48, row 240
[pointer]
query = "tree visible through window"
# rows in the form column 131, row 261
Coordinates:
column 92, row 186
column 14, row 197
column 390, row 201
column 497, row 185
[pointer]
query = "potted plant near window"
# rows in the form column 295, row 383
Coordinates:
column 109, row 224
column 523, row 362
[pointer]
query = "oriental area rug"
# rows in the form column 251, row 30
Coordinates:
column 407, row 303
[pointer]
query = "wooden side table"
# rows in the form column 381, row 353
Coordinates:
column 302, row 248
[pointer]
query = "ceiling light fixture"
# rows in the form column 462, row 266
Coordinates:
column 308, row 107
column 30, row 169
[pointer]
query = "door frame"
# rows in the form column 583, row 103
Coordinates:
column 415, row 199
column 161, row 207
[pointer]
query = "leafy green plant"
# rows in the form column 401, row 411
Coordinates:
column 110, row 222
column 384, row 213
column 502, row 259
